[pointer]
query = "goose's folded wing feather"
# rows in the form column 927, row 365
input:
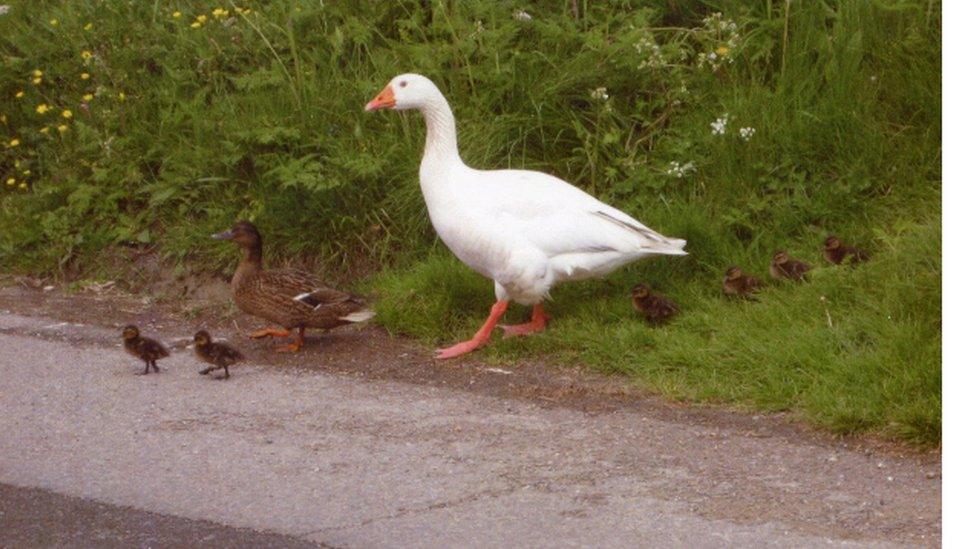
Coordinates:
column 560, row 218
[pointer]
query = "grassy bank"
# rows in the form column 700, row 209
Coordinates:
column 761, row 128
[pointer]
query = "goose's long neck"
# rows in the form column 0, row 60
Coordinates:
column 441, row 146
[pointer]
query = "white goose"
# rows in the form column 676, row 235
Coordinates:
column 525, row 230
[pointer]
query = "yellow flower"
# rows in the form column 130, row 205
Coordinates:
column 88, row 97
column 3, row 118
column 121, row 96
column 88, row 27
column 66, row 113
column 45, row 129
column 54, row 22
column 201, row 18
column 195, row 25
column 63, row 128
column 85, row 76
column 14, row 142
column 19, row 94
column 42, row 108
column 220, row 12
column 26, row 172
column 85, row 54
column 36, row 80
column 722, row 50
column 22, row 185
column 16, row 163
column 177, row 15
column 11, row 181
column 36, row 73
column 243, row 11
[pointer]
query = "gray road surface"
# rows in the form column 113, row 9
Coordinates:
column 349, row 462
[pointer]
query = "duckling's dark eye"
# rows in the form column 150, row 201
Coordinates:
column 403, row 83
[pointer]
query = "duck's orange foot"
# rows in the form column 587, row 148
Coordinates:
column 289, row 348
column 274, row 332
column 537, row 324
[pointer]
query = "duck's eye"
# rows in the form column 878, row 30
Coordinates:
column 403, row 83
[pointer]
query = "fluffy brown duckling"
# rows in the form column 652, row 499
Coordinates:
column 287, row 297
column 835, row 252
column 218, row 355
column 784, row 268
column 656, row 309
column 144, row 348
column 737, row 284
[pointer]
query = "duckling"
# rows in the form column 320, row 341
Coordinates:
column 220, row 355
column 144, row 348
column 287, row 297
column 782, row 267
column 656, row 309
column 836, row 251
column 736, row 283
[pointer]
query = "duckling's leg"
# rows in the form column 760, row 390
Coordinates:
column 146, row 370
column 480, row 337
column 155, row 368
column 295, row 345
column 537, row 324
column 226, row 373
column 274, row 332
column 205, row 371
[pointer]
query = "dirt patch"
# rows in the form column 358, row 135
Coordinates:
column 369, row 352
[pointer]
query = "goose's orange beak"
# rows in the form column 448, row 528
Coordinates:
column 384, row 100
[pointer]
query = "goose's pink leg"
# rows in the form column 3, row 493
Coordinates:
column 480, row 337
column 537, row 324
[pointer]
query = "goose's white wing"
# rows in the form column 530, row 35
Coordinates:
column 559, row 218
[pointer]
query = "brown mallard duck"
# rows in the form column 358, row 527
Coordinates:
column 287, row 297
column 737, row 284
column 836, row 251
column 219, row 355
column 656, row 309
column 143, row 348
column 784, row 268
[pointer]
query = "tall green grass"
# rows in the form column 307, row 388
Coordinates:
column 259, row 115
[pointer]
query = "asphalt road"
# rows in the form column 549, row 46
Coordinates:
column 93, row 455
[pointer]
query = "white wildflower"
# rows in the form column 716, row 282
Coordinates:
column 4, row 9
column 655, row 58
column 522, row 15
column 718, row 127
column 679, row 170
column 747, row 133
column 723, row 39
column 600, row 94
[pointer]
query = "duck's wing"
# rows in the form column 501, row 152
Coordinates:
column 153, row 348
column 286, row 283
column 228, row 351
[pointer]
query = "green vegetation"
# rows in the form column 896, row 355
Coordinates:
column 258, row 114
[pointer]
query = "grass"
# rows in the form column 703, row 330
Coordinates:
column 258, row 114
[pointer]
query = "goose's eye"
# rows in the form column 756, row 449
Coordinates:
column 403, row 83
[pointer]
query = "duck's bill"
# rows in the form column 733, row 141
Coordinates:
column 226, row 235
column 384, row 100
